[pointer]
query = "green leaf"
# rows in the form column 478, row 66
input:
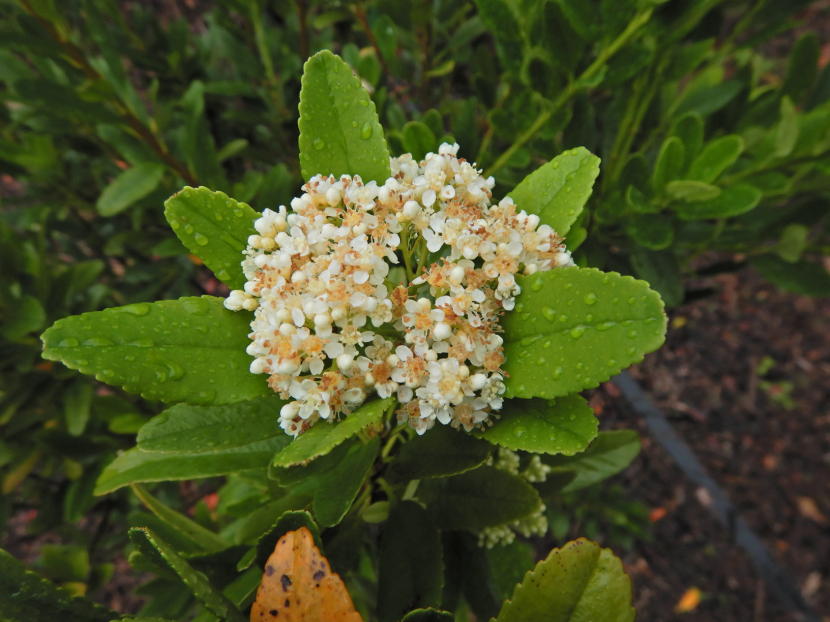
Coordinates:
column 418, row 139
column 803, row 66
column 24, row 595
column 65, row 562
column 339, row 129
column 428, row 615
column 661, row 271
column 411, row 568
column 214, row 227
column 611, row 452
column 187, row 429
column 151, row 545
column 77, row 403
column 325, row 436
column 730, row 202
column 128, row 187
column 201, row 538
column 578, row 582
column 573, row 328
column 689, row 129
column 669, row 164
column 333, row 480
column 786, row 132
column 708, row 99
column 481, row 498
column 441, row 451
column 22, row 317
column 717, row 156
column 792, row 242
column 508, row 565
column 223, row 439
column 557, row 191
column 190, row 350
column 691, row 191
column 501, row 21
column 653, row 231
column 563, row 426
column 801, row 277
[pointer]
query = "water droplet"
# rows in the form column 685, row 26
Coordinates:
column 318, row 144
column 536, row 285
column 557, row 371
column 354, row 123
column 541, row 360
column 97, row 341
column 632, row 334
column 563, row 318
column 366, row 131
column 520, row 307
column 139, row 308
column 577, row 332
column 632, row 300
column 520, row 431
column 188, row 229
column 589, row 317
column 142, row 343
column 175, row 370
column 547, row 344
column 606, row 325
column 549, row 313
column 590, row 298
column 69, row 342
column 161, row 375
column 201, row 239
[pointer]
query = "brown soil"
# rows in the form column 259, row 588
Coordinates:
column 763, row 434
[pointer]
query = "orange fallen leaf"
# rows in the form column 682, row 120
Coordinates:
column 299, row 586
column 657, row 514
column 808, row 508
column 689, row 601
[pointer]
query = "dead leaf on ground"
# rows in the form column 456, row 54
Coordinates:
column 298, row 585
column 689, row 601
column 808, row 508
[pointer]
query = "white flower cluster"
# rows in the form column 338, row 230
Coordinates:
column 392, row 289
column 534, row 524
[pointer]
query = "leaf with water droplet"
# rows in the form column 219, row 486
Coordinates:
column 207, row 349
column 562, row 426
column 557, row 191
column 590, row 343
column 579, row 581
column 339, row 129
column 214, row 227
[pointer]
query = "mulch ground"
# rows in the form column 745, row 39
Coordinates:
column 745, row 379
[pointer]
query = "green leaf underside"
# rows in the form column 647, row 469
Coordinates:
column 801, row 277
column 730, row 202
column 564, row 426
column 150, row 544
column 557, row 191
column 186, row 429
column 339, row 129
column 214, row 227
column 135, row 465
column 484, row 497
column 333, row 480
column 325, row 436
column 191, row 442
column 187, row 350
column 410, row 566
column 578, row 583
column 573, row 328
column 130, row 186
column 440, row 452
column 198, row 537
column 611, row 452
column 24, row 595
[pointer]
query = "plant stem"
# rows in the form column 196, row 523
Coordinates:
column 76, row 55
column 573, row 87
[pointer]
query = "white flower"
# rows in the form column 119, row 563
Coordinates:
column 332, row 322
